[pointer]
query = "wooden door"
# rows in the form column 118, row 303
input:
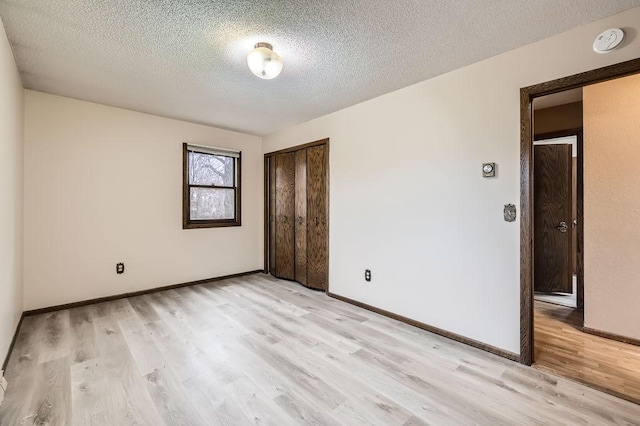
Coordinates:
column 552, row 218
column 285, row 231
column 301, row 217
column 272, row 214
column 317, row 226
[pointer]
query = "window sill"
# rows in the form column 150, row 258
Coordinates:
column 210, row 224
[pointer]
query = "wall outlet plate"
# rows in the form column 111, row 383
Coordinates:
column 509, row 213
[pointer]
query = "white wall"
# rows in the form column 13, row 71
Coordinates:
column 612, row 206
column 407, row 199
column 11, row 181
column 104, row 185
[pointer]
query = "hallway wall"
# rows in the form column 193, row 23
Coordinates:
column 612, row 206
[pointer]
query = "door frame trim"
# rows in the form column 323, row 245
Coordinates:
column 527, row 95
column 267, row 156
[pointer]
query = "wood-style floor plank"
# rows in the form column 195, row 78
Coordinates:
column 55, row 339
column 258, row 350
column 83, row 345
column 561, row 347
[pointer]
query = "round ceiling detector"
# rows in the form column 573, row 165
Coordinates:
column 264, row 62
column 608, row 40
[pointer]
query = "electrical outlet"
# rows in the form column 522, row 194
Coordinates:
column 367, row 275
column 120, row 268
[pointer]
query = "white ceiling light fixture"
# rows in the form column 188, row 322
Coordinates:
column 264, row 62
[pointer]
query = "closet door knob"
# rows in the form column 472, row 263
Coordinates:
column 299, row 220
column 315, row 221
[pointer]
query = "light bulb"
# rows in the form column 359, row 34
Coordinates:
column 264, row 62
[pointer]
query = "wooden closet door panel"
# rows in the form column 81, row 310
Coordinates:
column 301, row 216
column 317, row 234
column 272, row 215
column 285, row 201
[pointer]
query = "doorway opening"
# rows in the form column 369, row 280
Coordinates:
column 570, row 180
column 558, row 201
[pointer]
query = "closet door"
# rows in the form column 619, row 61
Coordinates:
column 272, row 215
column 317, row 241
column 285, row 201
column 301, row 216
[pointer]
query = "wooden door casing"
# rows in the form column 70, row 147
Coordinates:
column 317, row 241
column 553, row 271
column 285, row 211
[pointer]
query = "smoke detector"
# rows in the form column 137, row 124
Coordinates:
column 608, row 40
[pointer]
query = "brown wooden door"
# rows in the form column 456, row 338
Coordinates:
column 301, row 217
column 317, row 226
column 285, row 230
column 272, row 214
column 552, row 218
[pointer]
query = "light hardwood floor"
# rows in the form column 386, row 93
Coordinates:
column 561, row 347
column 257, row 350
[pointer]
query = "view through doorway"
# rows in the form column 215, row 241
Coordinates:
column 561, row 192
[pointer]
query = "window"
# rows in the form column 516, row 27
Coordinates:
column 211, row 187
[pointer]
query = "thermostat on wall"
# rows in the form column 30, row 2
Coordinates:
column 608, row 40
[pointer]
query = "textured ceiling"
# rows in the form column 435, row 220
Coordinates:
column 186, row 59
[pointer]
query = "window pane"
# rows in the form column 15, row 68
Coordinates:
column 207, row 169
column 212, row 204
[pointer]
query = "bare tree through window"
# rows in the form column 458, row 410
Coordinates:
column 212, row 186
